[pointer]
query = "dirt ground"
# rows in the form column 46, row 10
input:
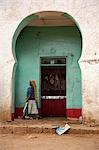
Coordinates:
column 49, row 142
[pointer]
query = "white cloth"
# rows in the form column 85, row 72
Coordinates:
column 32, row 107
column 25, row 107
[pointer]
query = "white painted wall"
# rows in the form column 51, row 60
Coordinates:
column 12, row 12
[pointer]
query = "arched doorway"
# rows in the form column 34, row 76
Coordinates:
column 49, row 44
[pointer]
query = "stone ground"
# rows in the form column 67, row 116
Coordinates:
column 49, row 142
column 40, row 135
column 46, row 125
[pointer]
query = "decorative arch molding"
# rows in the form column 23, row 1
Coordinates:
column 20, row 27
column 34, row 16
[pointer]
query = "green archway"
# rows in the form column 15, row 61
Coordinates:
column 22, row 51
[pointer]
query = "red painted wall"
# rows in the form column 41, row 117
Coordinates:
column 74, row 112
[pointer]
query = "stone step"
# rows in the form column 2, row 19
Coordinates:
column 30, row 129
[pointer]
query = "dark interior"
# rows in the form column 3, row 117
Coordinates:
column 53, row 81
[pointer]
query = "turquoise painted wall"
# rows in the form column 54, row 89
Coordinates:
column 36, row 42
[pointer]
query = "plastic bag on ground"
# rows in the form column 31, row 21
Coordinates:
column 61, row 130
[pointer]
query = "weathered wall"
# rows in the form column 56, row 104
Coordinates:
column 85, row 13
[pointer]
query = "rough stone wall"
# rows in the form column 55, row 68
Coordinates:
column 12, row 12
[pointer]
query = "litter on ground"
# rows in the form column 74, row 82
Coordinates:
column 61, row 130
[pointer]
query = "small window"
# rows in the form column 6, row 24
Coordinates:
column 53, row 60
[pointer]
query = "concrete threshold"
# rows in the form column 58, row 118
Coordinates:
column 36, row 126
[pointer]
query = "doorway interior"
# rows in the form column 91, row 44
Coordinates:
column 53, row 87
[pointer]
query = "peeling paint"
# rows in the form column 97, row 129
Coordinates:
column 5, row 114
column 91, row 61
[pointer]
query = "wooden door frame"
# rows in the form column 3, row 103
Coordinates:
column 53, row 65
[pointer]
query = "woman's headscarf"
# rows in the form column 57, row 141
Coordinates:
column 35, row 89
